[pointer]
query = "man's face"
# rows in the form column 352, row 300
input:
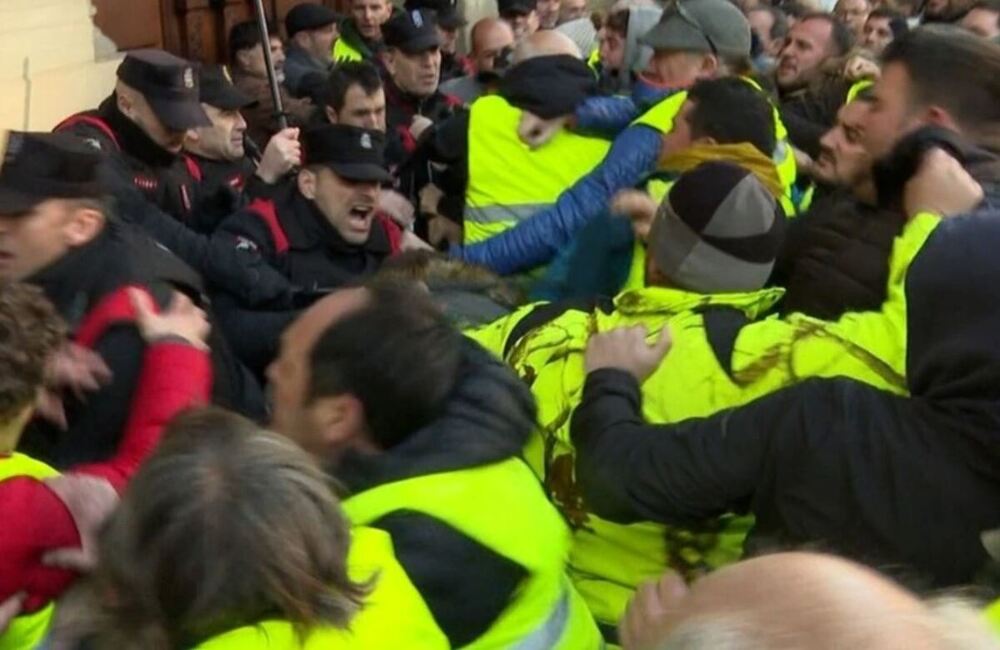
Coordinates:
column 369, row 16
column 571, row 10
column 320, row 42
column 982, row 22
column 548, row 13
column 890, row 115
column 680, row 136
column 252, row 60
column 361, row 109
column 32, row 241
column 522, row 24
column 348, row 206
column 224, row 139
column 489, row 44
column 807, row 47
column 761, row 22
column 878, row 34
column 843, row 160
column 449, row 40
column 289, row 375
column 853, row 13
column 416, row 74
column 612, row 48
column 675, row 68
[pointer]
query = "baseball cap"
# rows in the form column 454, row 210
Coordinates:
column 715, row 26
column 169, row 84
column 717, row 231
column 308, row 16
column 446, row 12
column 41, row 166
column 216, row 89
column 516, row 7
column 412, row 31
column 352, row 153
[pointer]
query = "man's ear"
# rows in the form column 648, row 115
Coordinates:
column 937, row 116
column 340, row 421
column 709, row 66
column 703, row 140
column 389, row 61
column 243, row 59
column 331, row 114
column 83, row 226
column 307, row 184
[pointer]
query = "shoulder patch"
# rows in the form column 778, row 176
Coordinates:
column 245, row 244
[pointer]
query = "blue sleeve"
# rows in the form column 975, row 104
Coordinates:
column 536, row 240
column 605, row 116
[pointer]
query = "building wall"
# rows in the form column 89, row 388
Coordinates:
column 48, row 68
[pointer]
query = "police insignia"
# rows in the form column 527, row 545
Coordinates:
column 244, row 244
column 366, row 141
column 188, row 78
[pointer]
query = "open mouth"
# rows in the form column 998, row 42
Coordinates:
column 360, row 216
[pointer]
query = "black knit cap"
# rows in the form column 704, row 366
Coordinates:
column 352, row 153
column 717, row 231
column 41, row 166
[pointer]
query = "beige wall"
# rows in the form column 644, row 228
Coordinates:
column 47, row 64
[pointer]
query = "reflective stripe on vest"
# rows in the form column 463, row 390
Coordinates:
column 27, row 630
column 392, row 616
column 521, row 525
column 661, row 117
column 344, row 51
column 508, row 181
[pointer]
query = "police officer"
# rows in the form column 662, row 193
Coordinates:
column 55, row 233
column 321, row 230
column 227, row 166
column 141, row 127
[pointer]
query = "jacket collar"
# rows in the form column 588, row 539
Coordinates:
column 133, row 140
column 306, row 228
column 657, row 300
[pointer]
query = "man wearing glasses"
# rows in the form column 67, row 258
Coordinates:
column 695, row 39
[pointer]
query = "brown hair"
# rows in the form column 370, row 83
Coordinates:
column 226, row 525
column 30, row 331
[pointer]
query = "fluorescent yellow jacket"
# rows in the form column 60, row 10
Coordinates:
column 344, row 52
column 722, row 357
column 508, row 181
column 519, row 524
column 393, row 615
column 661, row 117
column 28, row 630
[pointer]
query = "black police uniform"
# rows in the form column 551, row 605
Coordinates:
column 292, row 236
column 88, row 285
column 154, row 189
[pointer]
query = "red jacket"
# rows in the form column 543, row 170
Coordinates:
column 174, row 377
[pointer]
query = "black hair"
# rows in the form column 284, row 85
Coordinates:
column 841, row 37
column 955, row 70
column 729, row 110
column 345, row 75
column 245, row 36
column 897, row 21
column 397, row 354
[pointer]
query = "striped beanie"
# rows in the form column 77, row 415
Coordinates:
column 717, row 231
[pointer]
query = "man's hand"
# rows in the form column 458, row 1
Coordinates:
column 90, row 501
column 536, row 132
column 413, row 243
column 644, row 625
column 626, row 349
column 418, row 125
column 639, row 207
column 282, row 154
column 9, row 609
column 941, row 186
column 861, row 67
column 441, row 229
column 397, row 208
column 72, row 367
column 430, row 197
column 182, row 319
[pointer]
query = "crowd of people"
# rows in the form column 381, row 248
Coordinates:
column 654, row 326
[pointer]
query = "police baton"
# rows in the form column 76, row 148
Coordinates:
column 265, row 44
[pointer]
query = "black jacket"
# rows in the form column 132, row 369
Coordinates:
column 224, row 187
column 120, row 256
column 903, row 484
column 488, row 420
column 154, row 190
column 314, row 258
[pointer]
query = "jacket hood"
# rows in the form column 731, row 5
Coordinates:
column 640, row 21
column 952, row 320
column 548, row 86
column 487, row 419
column 581, row 31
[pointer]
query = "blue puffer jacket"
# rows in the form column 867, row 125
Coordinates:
column 632, row 157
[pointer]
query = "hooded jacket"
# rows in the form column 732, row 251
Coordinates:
column 906, row 484
column 637, row 55
column 487, row 420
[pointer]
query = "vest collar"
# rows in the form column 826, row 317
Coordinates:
column 657, row 300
